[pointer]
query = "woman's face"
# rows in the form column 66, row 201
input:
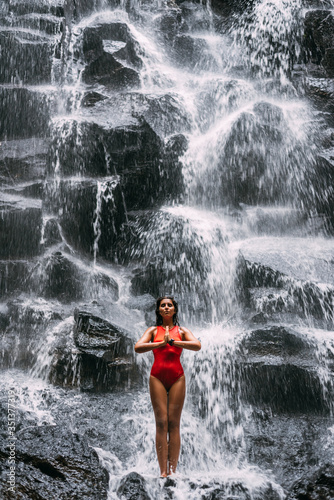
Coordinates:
column 166, row 308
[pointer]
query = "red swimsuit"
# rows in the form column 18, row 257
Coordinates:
column 167, row 366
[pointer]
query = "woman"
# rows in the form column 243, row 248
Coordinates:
column 167, row 381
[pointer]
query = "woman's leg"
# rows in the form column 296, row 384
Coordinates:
column 159, row 403
column 176, row 397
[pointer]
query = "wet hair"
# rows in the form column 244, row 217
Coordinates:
column 158, row 315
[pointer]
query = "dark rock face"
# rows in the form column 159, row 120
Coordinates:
column 32, row 58
column 107, row 71
column 15, row 242
column 31, row 110
column 13, row 275
column 85, row 170
column 319, row 30
column 23, row 160
column 104, row 356
column 61, row 463
column 92, row 150
column 133, row 487
column 318, row 484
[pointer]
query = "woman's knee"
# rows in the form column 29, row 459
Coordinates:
column 173, row 424
column 162, row 424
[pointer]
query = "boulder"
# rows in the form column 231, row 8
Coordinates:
column 113, row 38
column 196, row 15
column 26, row 320
column 291, row 446
column 279, row 372
column 132, row 487
column 101, row 358
column 172, row 259
column 62, row 465
column 106, row 70
column 50, row 233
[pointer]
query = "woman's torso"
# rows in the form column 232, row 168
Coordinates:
column 167, row 365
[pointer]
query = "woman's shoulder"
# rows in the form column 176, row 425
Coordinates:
column 184, row 331
column 152, row 330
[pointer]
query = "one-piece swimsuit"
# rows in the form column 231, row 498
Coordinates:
column 167, row 365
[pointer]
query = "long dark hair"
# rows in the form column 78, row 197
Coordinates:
column 158, row 315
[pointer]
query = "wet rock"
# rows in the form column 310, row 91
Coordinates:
column 106, row 70
column 243, row 165
column 132, row 487
column 92, row 332
column 28, row 316
column 189, row 50
column 48, row 23
column 196, row 15
column 280, row 373
column 105, row 149
column 227, row 7
column 172, row 174
column 91, row 98
column 20, row 231
column 27, row 321
column 276, row 341
column 31, row 109
column 319, row 31
column 22, row 160
column 61, row 463
column 318, row 484
column 164, row 262
column 171, row 24
column 166, row 115
column 26, row 57
column 144, row 302
column 277, row 280
column 233, row 489
column 101, row 358
column 57, row 276
column 91, row 214
column 99, row 38
column 288, row 445
column 50, row 233
column 92, row 45
column 18, row 7
column 13, row 276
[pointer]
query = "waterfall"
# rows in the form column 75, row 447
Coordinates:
column 181, row 157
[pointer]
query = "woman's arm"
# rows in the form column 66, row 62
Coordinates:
column 145, row 343
column 189, row 340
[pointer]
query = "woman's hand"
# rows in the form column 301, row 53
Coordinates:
column 145, row 343
column 167, row 336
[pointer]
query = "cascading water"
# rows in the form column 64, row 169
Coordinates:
column 182, row 160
